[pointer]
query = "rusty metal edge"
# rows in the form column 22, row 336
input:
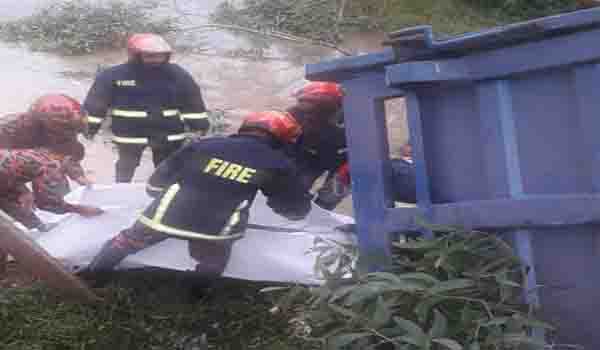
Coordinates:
column 33, row 258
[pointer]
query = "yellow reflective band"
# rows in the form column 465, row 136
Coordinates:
column 164, row 203
column 136, row 140
column 194, row 115
column 184, row 234
column 129, row 114
column 234, row 219
column 177, row 137
column 170, row 112
column 154, row 189
column 156, row 222
column 94, row 120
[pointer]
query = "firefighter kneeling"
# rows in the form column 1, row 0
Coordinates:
column 203, row 193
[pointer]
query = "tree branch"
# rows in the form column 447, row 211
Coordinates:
column 273, row 34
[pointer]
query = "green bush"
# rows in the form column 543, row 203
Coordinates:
column 314, row 19
column 462, row 290
column 79, row 27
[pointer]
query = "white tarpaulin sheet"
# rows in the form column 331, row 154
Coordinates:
column 261, row 255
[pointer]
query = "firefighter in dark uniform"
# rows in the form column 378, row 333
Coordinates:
column 321, row 149
column 150, row 101
column 203, row 193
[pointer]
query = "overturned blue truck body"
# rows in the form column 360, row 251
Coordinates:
column 505, row 129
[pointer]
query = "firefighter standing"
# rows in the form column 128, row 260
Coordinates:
column 203, row 193
column 150, row 100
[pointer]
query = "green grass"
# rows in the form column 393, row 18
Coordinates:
column 145, row 310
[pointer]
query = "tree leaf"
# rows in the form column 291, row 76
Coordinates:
column 448, row 343
column 410, row 327
column 440, row 325
column 343, row 311
column 475, row 346
column 339, row 341
column 407, row 339
column 533, row 323
column 341, row 292
column 273, row 289
column 494, row 322
column 382, row 314
column 451, row 285
column 418, row 245
column 423, row 308
column 363, row 293
column 502, row 279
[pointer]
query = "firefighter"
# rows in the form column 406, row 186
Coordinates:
column 47, row 169
column 403, row 177
column 151, row 102
column 321, row 149
column 203, row 193
column 52, row 121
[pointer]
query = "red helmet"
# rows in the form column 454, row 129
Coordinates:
column 63, row 116
column 320, row 92
column 279, row 124
column 147, row 43
column 56, row 103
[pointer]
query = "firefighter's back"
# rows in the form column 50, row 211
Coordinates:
column 216, row 182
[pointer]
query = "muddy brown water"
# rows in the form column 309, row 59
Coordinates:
column 228, row 82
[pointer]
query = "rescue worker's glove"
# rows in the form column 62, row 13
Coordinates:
column 27, row 201
column 87, row 211
column 84, row 181
column 346, row 228
column 88, row 135
column 46, row 227
column 335, row 189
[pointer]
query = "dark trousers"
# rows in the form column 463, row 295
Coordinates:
column 131, row 154
column 212, row 256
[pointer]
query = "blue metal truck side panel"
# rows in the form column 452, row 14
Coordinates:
column 506, row 128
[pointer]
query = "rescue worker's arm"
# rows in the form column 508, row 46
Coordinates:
column 193, row 111
column 335, row 188
column 287, row 196
column 75, row 172
column 97, row 103
column 48, row 192
column 167, row 173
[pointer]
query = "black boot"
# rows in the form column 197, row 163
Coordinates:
column 99, row 271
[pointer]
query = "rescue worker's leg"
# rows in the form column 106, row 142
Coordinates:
column 129, row 159
column 212, row 257
column 127, row 242
column 164, row 150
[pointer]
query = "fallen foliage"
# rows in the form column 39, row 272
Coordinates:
column 80, row 27
column 461, row 290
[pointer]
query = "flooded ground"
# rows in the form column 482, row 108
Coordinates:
column 227, row 70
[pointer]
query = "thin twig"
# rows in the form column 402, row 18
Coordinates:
column 273, row 34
